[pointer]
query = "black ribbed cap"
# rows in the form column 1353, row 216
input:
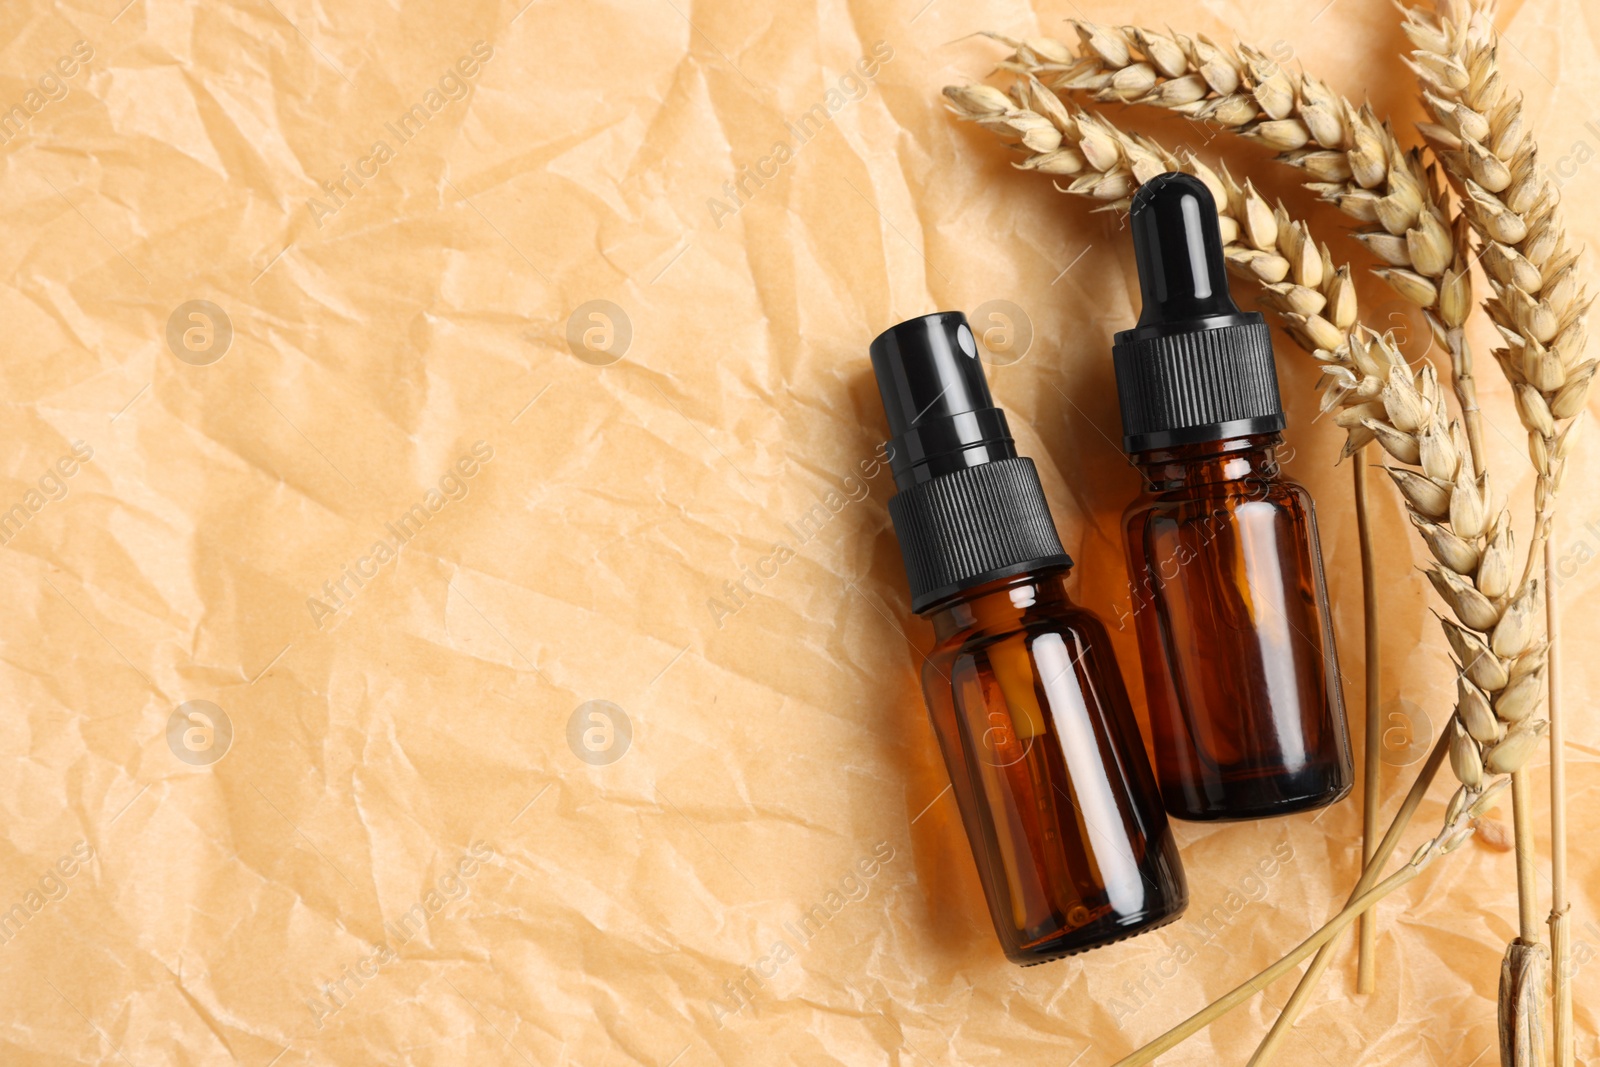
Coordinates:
column 969, row 510
column 1195, row 368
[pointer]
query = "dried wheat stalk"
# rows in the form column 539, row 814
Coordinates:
column 1372, row 755
column 1376, row 397
column 1454, row 833
column 1541, row 308
column 1566, row 1038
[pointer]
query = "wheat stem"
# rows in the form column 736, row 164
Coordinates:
column 1366, row 972
column 1560, row 909
column 1466, row 390
column 1369, row 875
column 1455, row 833
column 1527, row 886
column 1220, row 1007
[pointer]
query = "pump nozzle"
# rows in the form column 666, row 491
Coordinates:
column 941, row 416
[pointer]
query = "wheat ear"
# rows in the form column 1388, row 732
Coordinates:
column 1539, row 303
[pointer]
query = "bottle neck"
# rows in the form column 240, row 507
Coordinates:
column 1237, row 459
column 1001, row 605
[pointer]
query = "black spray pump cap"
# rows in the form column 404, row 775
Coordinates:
column 941, row 416
column 969, row 510
column 1195, row 368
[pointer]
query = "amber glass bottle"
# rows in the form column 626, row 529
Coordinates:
column 1059, row 803
column 1228, row 598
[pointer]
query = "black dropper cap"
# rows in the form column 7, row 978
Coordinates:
column 969, row 510
column 1195, row 368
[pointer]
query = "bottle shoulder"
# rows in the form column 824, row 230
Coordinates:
column 1068, row 619
column 1227, row 496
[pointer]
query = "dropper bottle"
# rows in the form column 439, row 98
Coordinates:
column 1048, row 769
column 1227, row 596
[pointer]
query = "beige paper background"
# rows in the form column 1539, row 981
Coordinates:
column 771, row 749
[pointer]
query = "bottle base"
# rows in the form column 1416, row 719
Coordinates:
column 1257, row 803
column 1073, row 944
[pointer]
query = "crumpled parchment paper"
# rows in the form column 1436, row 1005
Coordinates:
column 452, row 611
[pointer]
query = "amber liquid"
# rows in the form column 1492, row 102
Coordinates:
column 1231, row 612
column 1049, row 772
